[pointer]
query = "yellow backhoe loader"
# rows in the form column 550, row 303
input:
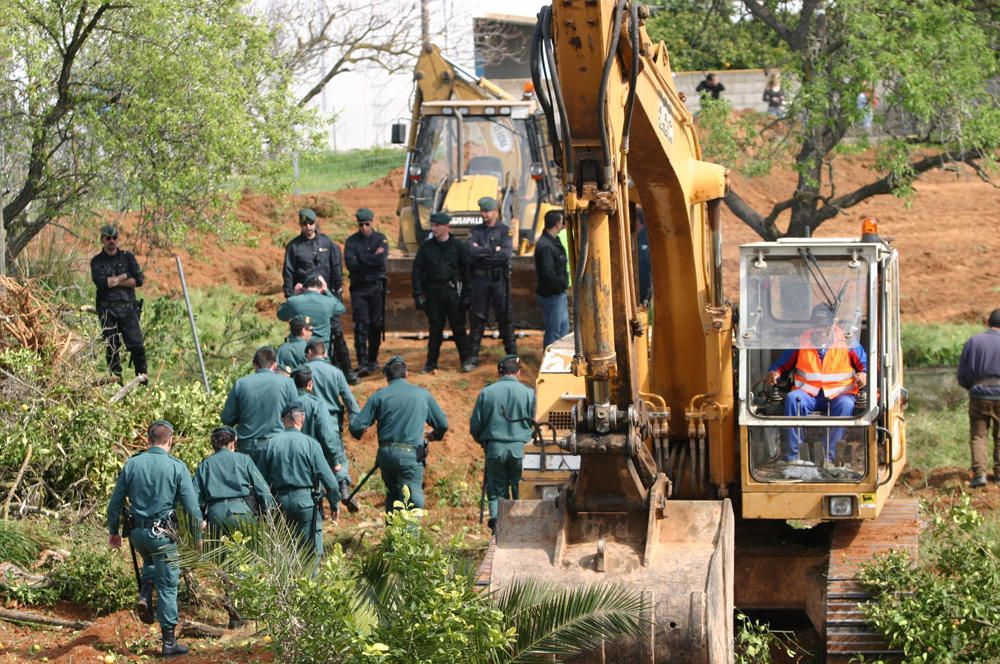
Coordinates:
column 468, row 138
column 665, row 458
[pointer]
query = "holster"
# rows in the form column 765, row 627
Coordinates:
column 253, row 504
column 421, row 453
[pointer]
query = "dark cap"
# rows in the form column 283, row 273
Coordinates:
column 293, row 407
column 315, row 341
column 307, row 213
column 487, row 203
column 364, row 214
column 302, row 370
column 442, row 218
column 224, row 429
column 107, row 230
column 395, row 359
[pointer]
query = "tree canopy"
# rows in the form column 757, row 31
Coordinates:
column 169, row 107
column 928, row 69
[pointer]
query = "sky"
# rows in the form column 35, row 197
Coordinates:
column 366, row 104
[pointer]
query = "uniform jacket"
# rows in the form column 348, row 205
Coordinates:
column 103, row 266
column 154, row 483
column 831, row 371
column 320, row 306
column 227, row 474
column 305, row 258
column 506, row 398
column 401, row 409
column 291, row 461
column 331, row 388
column 255, row 403
column 292, row 353
column 440, row 264
column 366, row 267
column 495, row 246
column 550, row 266
column 980, row 360
column 320, row 426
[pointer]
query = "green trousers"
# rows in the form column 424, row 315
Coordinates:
column 298, row 507
column 225, row 517
column 159, row 563
column 503, row 472
column 400, row 468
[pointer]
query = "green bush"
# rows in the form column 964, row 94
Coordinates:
column 935, row 344
column 96, row 578
column 945, row 609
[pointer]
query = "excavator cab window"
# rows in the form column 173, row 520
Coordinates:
column 805, row 318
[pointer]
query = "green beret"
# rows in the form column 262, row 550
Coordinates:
column 487, row 204
column 107, row 230
column 364, row 214
column 293, row 407
column 307, row 213
column 302, row 320
column 442, row 218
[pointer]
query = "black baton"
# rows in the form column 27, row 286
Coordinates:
column 362, row 483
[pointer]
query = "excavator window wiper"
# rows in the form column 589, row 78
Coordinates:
column 812, row 265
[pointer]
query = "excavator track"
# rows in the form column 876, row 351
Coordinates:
column 852, row 544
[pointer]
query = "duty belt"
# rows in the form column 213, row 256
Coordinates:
column 149, row 523
column 232, row 499
column 402, row 447
column 992, row 381
column 489, row 272
column 288, row 489
column 117, row 305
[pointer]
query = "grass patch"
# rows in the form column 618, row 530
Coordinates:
column 935, row 344
column 938, row 438
column 329, row 171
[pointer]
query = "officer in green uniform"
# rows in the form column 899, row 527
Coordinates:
column 292, row 353
column 317, row 303
column 254, row 404
column 503, row 440
column 331, row 388
column 401, row 410
column 293, row 466
column 230, row 489
column 154, row 483
column 318, row 423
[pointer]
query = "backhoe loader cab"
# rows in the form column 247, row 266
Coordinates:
column 841, row 298
column 467, row 149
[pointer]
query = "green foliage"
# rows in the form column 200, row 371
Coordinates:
column 407, row 599
column 20, row 544
column 455, row 493
column 712, row 36
column 935, row 344
column 937, row 438
column 97, row 578
column 755, row 641
column 945, row 609
column 330, row 171
column 167, row 106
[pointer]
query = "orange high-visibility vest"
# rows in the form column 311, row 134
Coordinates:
column 833, row 374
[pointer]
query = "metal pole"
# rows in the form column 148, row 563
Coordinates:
column 194, row 328
column 425, row 22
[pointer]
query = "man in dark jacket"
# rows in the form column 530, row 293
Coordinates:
column 441, row 289
column 117, row 274
column 553, row 279
column 365, row 253
column 979, row 373
column 710, row 87
column 490, row 249
column 309, row 254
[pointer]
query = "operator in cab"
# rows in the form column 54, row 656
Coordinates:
column 827, row 378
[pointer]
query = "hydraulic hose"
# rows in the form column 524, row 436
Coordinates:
column 602, row 95
column 550, row 65
column 581, row 266
column 544, row 99
column 633, row 74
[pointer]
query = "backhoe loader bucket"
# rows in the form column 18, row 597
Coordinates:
column 679, row 556
column 401, row 316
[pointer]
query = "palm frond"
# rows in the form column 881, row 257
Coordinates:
column 552, row 620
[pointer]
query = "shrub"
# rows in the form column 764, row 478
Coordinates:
column 96, row 578
column 934, row 344
column 945, row 609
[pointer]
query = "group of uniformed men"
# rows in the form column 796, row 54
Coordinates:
column 280, row 443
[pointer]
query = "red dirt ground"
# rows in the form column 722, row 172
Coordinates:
column 946, row 234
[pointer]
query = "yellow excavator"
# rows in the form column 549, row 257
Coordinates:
column 664, row 457
column 468, row 138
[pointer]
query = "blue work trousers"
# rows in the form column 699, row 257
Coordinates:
column 799, row 403
column 555, row 313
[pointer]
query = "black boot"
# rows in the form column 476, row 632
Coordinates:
column 343, row 356
column 170, row 646
column 345, row 496
column 374, row 343
column 144, row 605
column 361, row 348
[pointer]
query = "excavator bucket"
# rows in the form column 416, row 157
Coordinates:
column 677, row 554
column 401, row 316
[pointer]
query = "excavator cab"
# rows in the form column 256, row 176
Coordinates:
column 822, row 442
